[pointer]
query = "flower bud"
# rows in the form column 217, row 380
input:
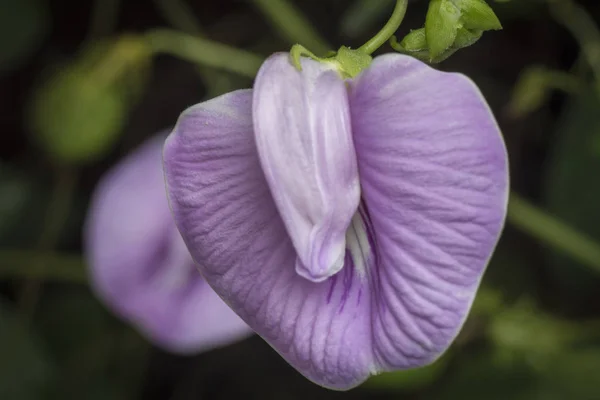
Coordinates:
column 441, row 26
column 415, row 44
column 78, row 113
column 453, row 24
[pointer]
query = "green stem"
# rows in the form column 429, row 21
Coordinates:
column 56, row 215
column 180, row 15
column 553, row 232
column 561, row 80
column 388, row 30
column 583, row 28
column 292, row 25
column 204, row 52
column 59, row 267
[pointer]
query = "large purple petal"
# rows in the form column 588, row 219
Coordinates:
column 304, row 140
column 434, row 200
column 434, row 178
column 226, row 214
column 140, row 266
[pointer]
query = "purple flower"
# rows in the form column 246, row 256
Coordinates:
column 140, row 266
column 348, row 222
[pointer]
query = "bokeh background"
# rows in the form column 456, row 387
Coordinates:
column 534, row 331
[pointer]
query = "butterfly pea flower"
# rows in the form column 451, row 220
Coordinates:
column 348, row 221
column 140, row 266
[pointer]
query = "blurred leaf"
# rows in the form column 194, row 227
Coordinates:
column 24, row 198
column 519, row 9
column 526, row 334
column 16, row 191
column 487, row 302
column 574, row 375
column 568, row 375
column 477, row 377
column 534, row 86
column 363, row 16
column 24, row 368
column 97, row 355
column 510, row 270
column 571, row 192
column 410, row 379
column 530, row 92
column 23, row 24
column 292, row 25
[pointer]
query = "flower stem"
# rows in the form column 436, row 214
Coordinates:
column 59, row 267
column 290, row 22
column 551, row 231
column 204, row 52
column 388, row 30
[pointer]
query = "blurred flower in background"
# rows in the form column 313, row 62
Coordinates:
column 140, row 266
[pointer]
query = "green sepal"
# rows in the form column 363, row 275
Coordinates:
column 466, row 37
column 441, row 26
column 352, row 62
column 415, row 41
column 478, row 15
column 349, row 62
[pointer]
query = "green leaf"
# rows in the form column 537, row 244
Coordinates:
column 24, row 368
column 476, row 14
column 441, row 26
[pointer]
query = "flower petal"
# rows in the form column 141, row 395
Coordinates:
column 227, row 216
column 304, row 140
column 140, row 266
column 434, row 179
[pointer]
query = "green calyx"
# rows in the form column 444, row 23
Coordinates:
column 348, row 62
column 450, row 25
column 352, row 62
